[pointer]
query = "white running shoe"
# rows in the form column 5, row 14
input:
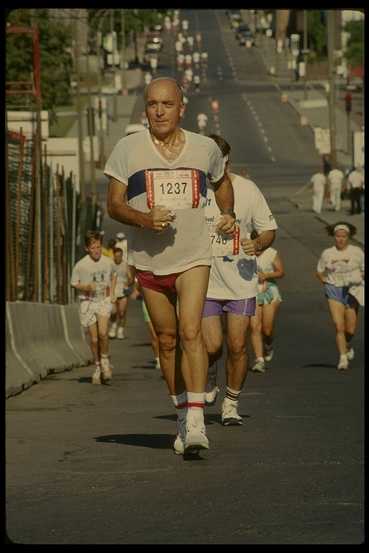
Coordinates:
column 96, row 376
column 259, row 365
column 269, row 352
column 120, row 333
column 113, row 330
column 178, row 445
column 350, row 354
column 230, row 415
column 343, row 363
column 106, row 372
column 157, row 364
column 211, row 397
column 196, row 438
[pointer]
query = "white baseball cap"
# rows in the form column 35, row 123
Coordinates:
column 120, row 235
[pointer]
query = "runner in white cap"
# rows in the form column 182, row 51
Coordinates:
column 341, row 271
column 233, row 285
column 158, row 184
column 122, row 293
column 270, row 268
column 202, row 121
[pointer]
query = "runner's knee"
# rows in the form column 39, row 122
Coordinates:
column 167, row 341
column 236, row 346
column 189, row 332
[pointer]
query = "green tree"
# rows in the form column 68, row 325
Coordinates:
column 56, row 60
column 317, row 31
column 355, row 44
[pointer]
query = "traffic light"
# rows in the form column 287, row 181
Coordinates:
column 348, row 102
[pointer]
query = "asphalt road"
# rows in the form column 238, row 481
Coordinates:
column 93, row 465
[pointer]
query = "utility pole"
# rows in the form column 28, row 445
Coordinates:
column 305, row 52
column 100, row 69
column 91, row 125
column 38, row 159
column 331, row 27
column 114, row 48
column 77, row 52
column 122, row 54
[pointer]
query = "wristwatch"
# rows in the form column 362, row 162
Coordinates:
column 258, row 245
column 228, row 212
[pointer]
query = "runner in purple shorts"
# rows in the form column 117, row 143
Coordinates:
column 233, row 285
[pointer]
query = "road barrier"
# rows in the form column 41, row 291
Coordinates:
column 41, row 339
column 74, row 334
column 18, row 375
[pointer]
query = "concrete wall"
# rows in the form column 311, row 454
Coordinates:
column 41, row 339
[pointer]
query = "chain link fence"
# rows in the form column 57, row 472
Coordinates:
column 63, row 218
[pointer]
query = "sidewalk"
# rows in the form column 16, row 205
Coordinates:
column 315, row 110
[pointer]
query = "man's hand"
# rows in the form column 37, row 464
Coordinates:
column 161, row 218
column 91, row 287
column 248, row 246
column 226, row 224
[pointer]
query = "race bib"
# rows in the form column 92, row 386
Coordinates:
column 224, row 244
column 173, row 189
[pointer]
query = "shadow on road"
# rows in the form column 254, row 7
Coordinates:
column 154, row 441
column 319, row 365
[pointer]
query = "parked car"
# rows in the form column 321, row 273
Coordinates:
column 156, row 28
column 235, row 20
column 241, row 28
column 150, row 52
column 154, row 46
column 245, row 36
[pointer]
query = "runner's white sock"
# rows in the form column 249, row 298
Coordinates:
column 232, row 395
column 195, row 405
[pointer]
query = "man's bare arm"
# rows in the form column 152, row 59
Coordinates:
column 223, row 191
column 259, row 244
column 156, row 219
column 119, row 210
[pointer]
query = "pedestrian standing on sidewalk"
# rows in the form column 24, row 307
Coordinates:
column 122, row 293
column 341, row 271
column 335, row 184
column 95, row 278
column 270, row 268
column 233, row 285
column 158, row 184
column 318, row 183
column 355, row 186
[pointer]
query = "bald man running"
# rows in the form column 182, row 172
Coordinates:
column 158, row 184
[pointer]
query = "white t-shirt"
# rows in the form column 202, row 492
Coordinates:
column 342, row 267
column 335, row 178
column 87, row 271
column 265, row 260
column 122, row 277
column 355, row 179
column 318, row 181
column 123, row 245
column 152, row 179
column 234, row 277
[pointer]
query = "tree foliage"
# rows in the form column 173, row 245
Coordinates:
column 134, row 20
column 355, row 44
column 56, row 61
column 317, row 31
